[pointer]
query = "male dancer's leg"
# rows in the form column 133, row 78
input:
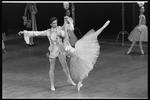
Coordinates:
column 62, row 59
column 51, row 72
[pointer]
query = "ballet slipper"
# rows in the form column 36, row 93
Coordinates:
column 142, row 52
column 79, row 86
column 129, row 51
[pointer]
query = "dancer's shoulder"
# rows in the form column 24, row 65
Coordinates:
column 143, row 16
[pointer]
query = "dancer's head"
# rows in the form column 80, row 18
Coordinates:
column 53, row 22
column 142, row 10
column 67, row 13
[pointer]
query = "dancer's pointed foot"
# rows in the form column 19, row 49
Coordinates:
column 142, row 52
column 129, row 51
column 79, row 86
column 70, row 81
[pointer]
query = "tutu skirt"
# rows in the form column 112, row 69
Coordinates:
column 87, row 50
column 139, row 33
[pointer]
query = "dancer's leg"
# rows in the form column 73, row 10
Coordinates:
column 51, row 72
column 130, row 49
column 141, row 47
column 33, row 27
column 32, row 40
column 62, row 59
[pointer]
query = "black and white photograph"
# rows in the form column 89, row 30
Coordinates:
column 74, row 49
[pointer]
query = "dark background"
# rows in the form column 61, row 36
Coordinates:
column 87, row 16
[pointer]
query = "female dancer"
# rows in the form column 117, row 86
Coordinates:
column 54, row 49
column 139, row 33
column 33, row 10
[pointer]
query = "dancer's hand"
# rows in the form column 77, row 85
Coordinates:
column 22, row 32
column 71, row 49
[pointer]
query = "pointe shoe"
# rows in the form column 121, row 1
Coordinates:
column 52, row 89
column 70, row 81
column 79, row 86
column 142, row 52
column 128, row 51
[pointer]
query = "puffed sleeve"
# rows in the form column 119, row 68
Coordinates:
column 41, row 33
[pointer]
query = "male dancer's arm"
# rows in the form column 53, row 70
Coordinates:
column 34, row 33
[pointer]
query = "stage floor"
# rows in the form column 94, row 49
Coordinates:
column 115, row 75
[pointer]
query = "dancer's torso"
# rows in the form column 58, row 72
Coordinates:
column 143, row 20
column 56, row 46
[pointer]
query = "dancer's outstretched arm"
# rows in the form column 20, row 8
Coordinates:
column 34, row 33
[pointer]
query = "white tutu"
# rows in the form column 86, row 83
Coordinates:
column 87, row 50
column 139, row 33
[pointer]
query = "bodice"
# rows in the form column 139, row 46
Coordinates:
column 142, row 19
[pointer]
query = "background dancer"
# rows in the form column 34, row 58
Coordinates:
column 139, row 33
column 31, row 7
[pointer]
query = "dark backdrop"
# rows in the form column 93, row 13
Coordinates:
column 87, row 16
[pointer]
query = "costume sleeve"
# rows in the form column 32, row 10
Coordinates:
column 41, row 33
